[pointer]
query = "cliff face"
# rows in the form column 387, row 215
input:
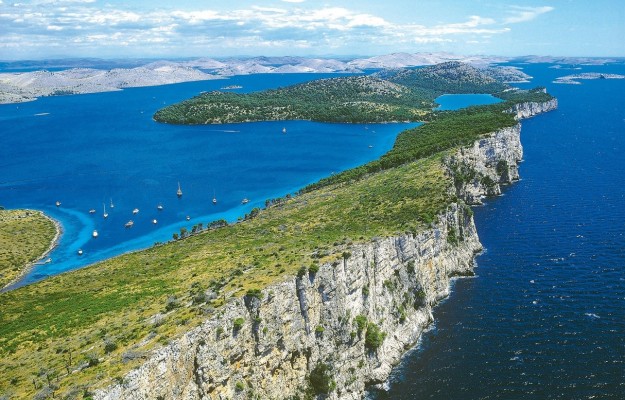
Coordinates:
column 326, row 323
column 480, row 170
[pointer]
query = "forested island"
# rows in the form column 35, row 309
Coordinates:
column 393, row 95
column 214, row 296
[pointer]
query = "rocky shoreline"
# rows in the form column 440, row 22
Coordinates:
column 269, row 344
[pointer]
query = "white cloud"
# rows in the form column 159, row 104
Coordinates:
column 293, row 1
column 523, row 14
column 47, row 23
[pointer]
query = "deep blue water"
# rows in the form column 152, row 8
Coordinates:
column 456, row 101
column 545, row 316
column 86, row 150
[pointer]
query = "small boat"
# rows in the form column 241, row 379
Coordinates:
column 94, row 233
column 188, row 218
column 214, row 198
column 245, row 201
column 112, row 205
column 159, row 207
column 154, row 221
column 80, row 252
column 58, row 203
column 49, row 260
column 92, row 211
column 179, row 192
column 129, row 224
column 105, row 215
column 370, row 146
column 283, row 130
column 135, row 211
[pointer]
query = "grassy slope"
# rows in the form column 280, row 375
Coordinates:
column 141, row 300
column 25, row 236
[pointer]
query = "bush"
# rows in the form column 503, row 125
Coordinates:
column 238, row 323
column 374, row 337
column 361, row 323
column 255, row 293
column 313, row 269
column 239, row 386
column 320, row 379
column 109, row 346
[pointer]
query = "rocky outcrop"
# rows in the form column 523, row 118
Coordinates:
column 527, row 110
column 481, row 169
column 345, row 324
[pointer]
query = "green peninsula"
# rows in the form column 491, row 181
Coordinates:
column 402, row 95
column 25, row 236
column 78, row 331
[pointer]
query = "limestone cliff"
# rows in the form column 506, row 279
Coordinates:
column 348, row 323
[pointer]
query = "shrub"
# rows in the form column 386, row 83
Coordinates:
column 255, row 293
column 109, row 346
column 361, row 323
column 239, row 386
column 313, row 269
column 320, row 379
column 238, row 323
column 374, row 337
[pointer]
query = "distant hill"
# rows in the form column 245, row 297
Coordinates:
column 396, row 95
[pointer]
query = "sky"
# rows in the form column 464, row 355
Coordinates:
column 40, row 29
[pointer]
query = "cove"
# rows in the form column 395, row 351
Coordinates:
column 88, row 151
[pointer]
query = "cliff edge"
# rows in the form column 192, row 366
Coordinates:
column 331, row 332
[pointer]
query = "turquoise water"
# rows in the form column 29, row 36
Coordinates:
column 456, row 101
column 87, row 150
column 545, row 316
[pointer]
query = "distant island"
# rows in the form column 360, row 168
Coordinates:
column 389, row 95
column 100, row 77
column 575, row 79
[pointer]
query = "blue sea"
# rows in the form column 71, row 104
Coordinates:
column 543, row 319
column 88, row 151
column 545, row 316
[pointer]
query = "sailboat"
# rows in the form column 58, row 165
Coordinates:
column 283, row 130
column 94, row 234
column 105, row 215
column 159, row 207
column 179, row 192
column 112, row 205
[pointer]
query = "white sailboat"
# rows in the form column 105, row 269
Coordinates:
column 94, row 234
column 105, row 215
column 179, row 192
column 112, row 205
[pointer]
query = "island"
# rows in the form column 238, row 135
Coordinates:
column 318, row 294
column 396, row 95
column 575, row 78
column 26, row 236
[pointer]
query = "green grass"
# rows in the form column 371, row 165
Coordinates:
column 142, row 300
column 25, row 235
